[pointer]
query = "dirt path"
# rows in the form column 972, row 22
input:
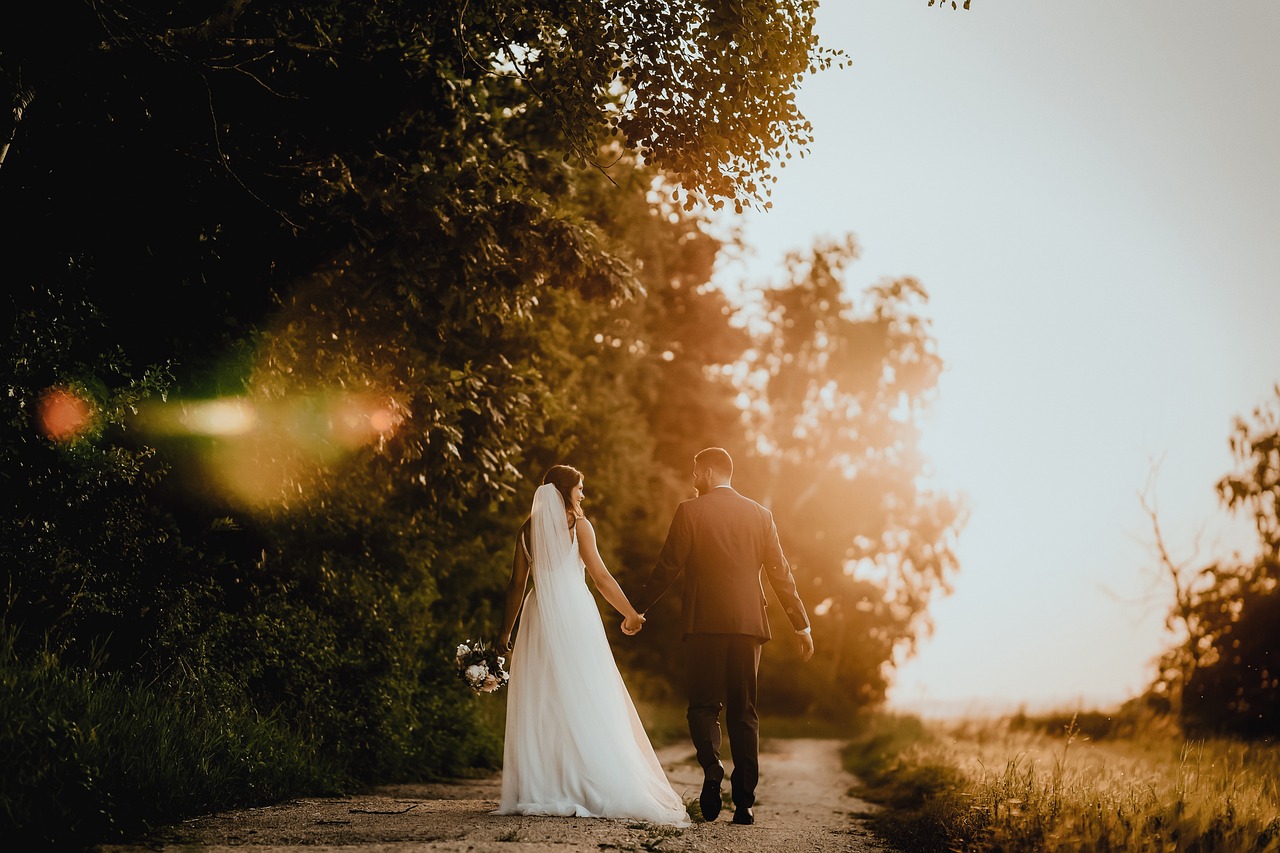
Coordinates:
column 802, row 805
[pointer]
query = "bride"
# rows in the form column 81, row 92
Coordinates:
column 574, row 743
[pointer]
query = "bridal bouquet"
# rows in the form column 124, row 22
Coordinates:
column 480, row 667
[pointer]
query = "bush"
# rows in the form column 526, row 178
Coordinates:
column 89, row 757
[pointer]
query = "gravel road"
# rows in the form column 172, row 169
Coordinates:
column 802, row 804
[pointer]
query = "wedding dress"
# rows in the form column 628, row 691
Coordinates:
column 574, row 743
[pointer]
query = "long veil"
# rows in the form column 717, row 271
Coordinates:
column 550, row 545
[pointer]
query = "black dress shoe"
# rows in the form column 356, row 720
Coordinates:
column 709, row 800
column 746, row 816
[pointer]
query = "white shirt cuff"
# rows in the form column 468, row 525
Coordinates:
column 805, row 631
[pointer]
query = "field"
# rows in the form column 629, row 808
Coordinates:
column 1024, row 785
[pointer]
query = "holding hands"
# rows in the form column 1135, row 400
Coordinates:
column 632, row 624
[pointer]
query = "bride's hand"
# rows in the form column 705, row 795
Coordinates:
column 632, row 624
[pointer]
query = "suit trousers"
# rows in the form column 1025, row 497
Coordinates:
column 720, row 675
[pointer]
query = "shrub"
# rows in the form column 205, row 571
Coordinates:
column 89, row 757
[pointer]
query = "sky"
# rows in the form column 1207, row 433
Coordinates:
column 1090, row 193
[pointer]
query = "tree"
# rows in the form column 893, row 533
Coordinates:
column 1224, row 676
column 351, row 214
column 262, row 146
column 705, row 91
column 836, row 386
column 668, row 379
column 82, row 494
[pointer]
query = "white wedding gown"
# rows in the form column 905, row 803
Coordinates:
column 574, row 743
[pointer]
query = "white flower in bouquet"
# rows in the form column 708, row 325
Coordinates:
column 477, row 673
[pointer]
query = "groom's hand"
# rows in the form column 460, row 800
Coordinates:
column 806, row 646
column 631, row 626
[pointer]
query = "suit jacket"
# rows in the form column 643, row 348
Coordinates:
column 721, row 541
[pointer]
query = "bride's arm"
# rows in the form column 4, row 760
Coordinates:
column 600, row 576
column 516, row 586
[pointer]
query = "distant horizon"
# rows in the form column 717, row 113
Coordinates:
column 980, row 707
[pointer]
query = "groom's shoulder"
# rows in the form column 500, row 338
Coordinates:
column 749, row 505
column 724, row 498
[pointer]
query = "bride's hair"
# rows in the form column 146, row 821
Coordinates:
column 564, row 478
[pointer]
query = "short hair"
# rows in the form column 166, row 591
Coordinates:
column 715, row 458
column 564, row 478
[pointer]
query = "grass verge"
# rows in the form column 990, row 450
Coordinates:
column 87, row 758
column 988, row 786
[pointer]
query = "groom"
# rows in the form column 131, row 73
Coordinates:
column 720, row 541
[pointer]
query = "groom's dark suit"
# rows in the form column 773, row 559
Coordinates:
column 721, row 541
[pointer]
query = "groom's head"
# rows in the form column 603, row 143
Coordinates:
column 712, row 467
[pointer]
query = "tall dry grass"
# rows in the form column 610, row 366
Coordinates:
column 987, row 785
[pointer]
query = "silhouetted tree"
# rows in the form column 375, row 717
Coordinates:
column 837, row 383
column 1224, row 677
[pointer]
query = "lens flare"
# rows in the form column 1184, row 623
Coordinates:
column 262, row 452
column 383, row 421
column 63, row 415
column 219, row 417
column 357, row 420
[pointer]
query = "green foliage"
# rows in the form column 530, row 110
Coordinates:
column 89, row 757
column 353, row 202
column 87, row 555
column 704, row 91
column 321, row 199
column 261, row 172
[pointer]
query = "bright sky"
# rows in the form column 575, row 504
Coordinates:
column 1090, row 192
